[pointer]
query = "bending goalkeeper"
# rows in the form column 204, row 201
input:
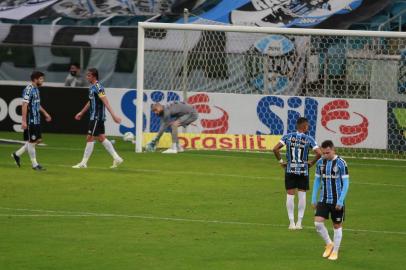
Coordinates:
column 172, row 115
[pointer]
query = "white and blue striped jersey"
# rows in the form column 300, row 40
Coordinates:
column 31, row 96
column 333, row 175
column 97, row 108
column 298, row 146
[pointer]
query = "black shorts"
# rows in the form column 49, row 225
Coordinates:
column 32, row 133
column 326, row 209
column 96, row 128
column 293, row 181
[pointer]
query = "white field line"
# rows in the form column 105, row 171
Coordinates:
column 196, row 153
column 214, row 174
column 54, row 213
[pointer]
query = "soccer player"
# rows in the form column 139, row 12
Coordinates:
column 97, row 104
column 172, row 115
column 332, row 176
column 298, row 145
column 31, row 120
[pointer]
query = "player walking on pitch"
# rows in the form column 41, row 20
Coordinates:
column 296, row 168
column 97, row 104
column 172, row 115
column 31, row 120
column 332, row 176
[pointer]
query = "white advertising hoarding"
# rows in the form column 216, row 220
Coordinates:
column 357, row 123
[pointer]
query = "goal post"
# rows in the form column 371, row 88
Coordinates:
column 250, row 84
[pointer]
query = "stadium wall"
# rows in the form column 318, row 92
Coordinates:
column 61, row 102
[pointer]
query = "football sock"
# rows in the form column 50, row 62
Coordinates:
column 338, row 235
column 322, row 230
column 32, row 154
column 110, row 148
column 174, row 135
column 22, row 150
column 290, row 206
column 301, row 206
column 88, row 152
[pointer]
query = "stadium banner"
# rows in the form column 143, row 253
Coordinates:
column 62, row 103
column 356, row 123
column 217, row 141
column 113, row 51
column 397, row 126
column 275, row 13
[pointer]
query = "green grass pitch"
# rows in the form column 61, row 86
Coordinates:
column 195, row 210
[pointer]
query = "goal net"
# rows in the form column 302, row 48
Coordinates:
column 250, row 84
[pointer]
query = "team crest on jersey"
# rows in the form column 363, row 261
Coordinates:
column 335, row 169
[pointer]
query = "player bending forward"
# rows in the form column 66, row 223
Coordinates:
column 172, row 115
column 97, row 104
column 332, row 176
column 31, row 118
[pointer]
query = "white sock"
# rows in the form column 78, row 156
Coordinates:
column 22, row 150
column 290, row 206
column 31, row 152
column 338, row 235
column 88, row 152
column 110, row 148
column 174, row 146
column 301, row 206
column 322, row 230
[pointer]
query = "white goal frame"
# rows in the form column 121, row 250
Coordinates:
column 143, row 26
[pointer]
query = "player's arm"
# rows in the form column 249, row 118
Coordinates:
column 48, row 117
column 106, row 103
column 80, row 114
column 24, row 106
column 165, row 123
column 346, row 183
column 276, row 151
column 317, row 156
column 344, row 191
column 24, row 110
column 316, row 187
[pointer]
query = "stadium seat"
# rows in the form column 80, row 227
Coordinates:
column 397, row 9
column 376, row 21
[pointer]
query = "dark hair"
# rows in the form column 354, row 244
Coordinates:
column 76, row 64
column 36, row 75
column 327, row 144
column 301, row 120
column 94, row 72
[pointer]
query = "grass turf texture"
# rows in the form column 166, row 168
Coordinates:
column 195, row 210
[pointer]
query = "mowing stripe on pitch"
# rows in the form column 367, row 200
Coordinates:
column 213, row 174
column 58, row 213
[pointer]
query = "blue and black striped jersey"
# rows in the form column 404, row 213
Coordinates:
column 31, row 96
column 97, row 108
column 332, row 174
column 298, row 146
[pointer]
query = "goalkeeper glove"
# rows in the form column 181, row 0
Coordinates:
column 150, row 147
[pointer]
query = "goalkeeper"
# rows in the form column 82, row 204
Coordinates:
column 172, row 115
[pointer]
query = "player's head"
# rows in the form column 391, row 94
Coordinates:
column 302, row 124
column 74, row 69
column 157, row 108
column 37, row 78
column 92, row 75
column 328, row 150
